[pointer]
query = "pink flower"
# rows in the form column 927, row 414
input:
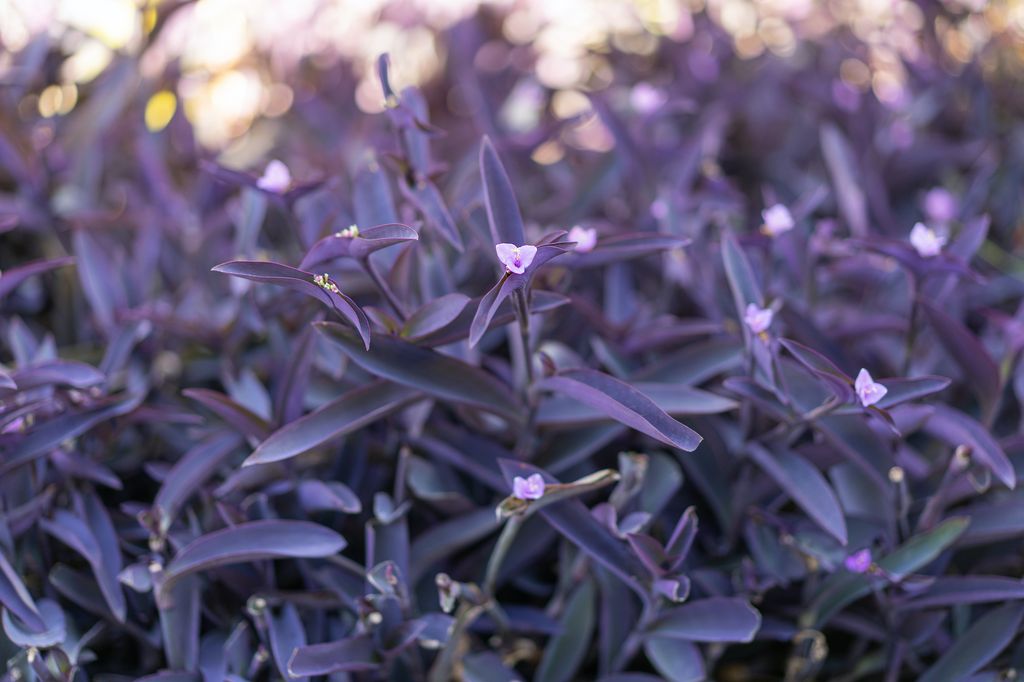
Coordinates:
column 859, row 561
column 585, row 238
column 758, row 319
column 530, row 488
column 868, row 390
column 940, row 206
column 276, row 177
column 777, row 219
column 516, row 258
column 927, row 242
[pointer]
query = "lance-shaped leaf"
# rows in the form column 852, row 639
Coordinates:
column 572, row 519
column 842, row 169
column 426, row 370
column 188, row 475
column 717, row 619
column 252, row 541
column 822, row 367
column 240, row 417
column 48, row 435
column 565, row 652
column 286, row 636
column 354, row 654
column 350, row 412
column 805, row 485
column 623, row 247
column 745, row 289
column 328, row 496
column 623, row 403
column 509, row 283
column 370, row 240
column 502, row 208
column 434, row 315
column 60, row 373
column 427, row 199
column 968, row 352
column 675, row 660
column 949, row 590
column 905, row 390
column 15, row 276
column 540, row 302
column 843, row 588
column 674, row 400
column 16, row 597
column 52, row 633
column 303, row 282
column 956, row 428
column 179, row 624
column 74, row 533
column 989, row 635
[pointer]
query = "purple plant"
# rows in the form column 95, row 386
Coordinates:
column 424, row 400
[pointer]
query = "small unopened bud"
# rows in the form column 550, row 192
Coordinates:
column 896, row 474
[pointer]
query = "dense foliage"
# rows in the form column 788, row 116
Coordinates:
column 717, row 414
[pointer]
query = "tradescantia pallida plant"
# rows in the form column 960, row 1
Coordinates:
column 406, row 405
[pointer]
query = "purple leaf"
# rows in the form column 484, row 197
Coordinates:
column 842, row 169
column 10, row 279
column 434, row 315
column 352, row 411
column 245, row 421
column 509, row 283
column 956, row 428
column 74, row 533
column 355, row 654
column 286, row 635
column 425, row 196
column 626, row 246
column 989, row 635
column 623, row 403
column 252, row 541
column 51, row 634
column 967, row 589
column 15, row 596
column 370, row 240
column 745, row 289
column 329, row 496
column 50, row 434
column 564, row 653
column 674, row 400
column 675, row 660
column 502, row 208
column 906, row 390
column 425, row 370
column 717, row 619
column 974, row 361
column 188, row 475
column 298, row 280
column 59, row 373
column 805, row 485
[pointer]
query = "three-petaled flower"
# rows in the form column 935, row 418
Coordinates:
column 777, row 219
column 585, row 238
column 868, row 390
column 926, row 241
column 758, row 319
column 516, row 258
column 276, row 177
column 529, row 488
column 859, row 561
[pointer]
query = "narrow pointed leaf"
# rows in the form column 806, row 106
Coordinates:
column 502, row 208
column 716, row 619
column 425, row 370
column 805, row 485
column 354, row 654
column 989, row 635
column 623, row 403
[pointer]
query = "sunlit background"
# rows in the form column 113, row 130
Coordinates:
column 235, row 59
